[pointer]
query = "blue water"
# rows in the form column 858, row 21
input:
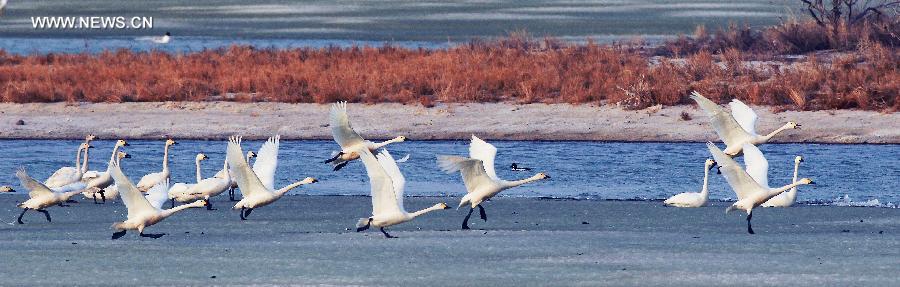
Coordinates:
column 864, row 174
column 266, row 23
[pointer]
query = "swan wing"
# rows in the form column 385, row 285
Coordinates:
column 384, row 198
column 485, row 152
column 403, row 159
column 741, row 182
column 158, row 194
column 78, row 185
column 131, row 196
column 178, row 188
column 343, row 133
column 728, row 129
column 35, row 188
column 744, row 115
column 62, row 176
column 91, row 174
column 472, row 170
column 757, row 165
column 393, row 171
column 149, row 181
column 267, row 162
column 245, row 178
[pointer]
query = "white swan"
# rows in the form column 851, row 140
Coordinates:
column 40, row 196
column 143, row 212
column 738, row 127
column 222, row 174
column 387, row 193
column 164, row 39
column 348, row 139
column 205, row 189
column 788, row 198
column 152, row 179
column 105, row 191
column 254, row 191
column 693, row 199
column 751, row 186
column 178, row 190
column 68, row 175
column 479, row 177
column 97, row 181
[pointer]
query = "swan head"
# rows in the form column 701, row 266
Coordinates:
column 7, row 188
column 89, row 138
column 121, row 143
column 201, row 157
column 542, row 176
column 85, row 146
column 122, row 154
column 792, row 125
column 309, row 180
column 806, row 181
column 798, row 159
column 251, row 154
column 442, row 205
column 400, row 139
column 171, row 142
column 710, row 163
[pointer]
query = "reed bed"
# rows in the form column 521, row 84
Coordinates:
column 737, row 62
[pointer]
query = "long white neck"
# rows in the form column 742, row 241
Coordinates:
column 285, row 189
column 84, row 166
column 777, row 191
column 705, row 190
column 424, row 211
column 166, row 159
column 227, row 174
column 793, row 191
column 508, row 184
column 773, row 133
column 173, row 210
column 199, row 176
column 78, row 159
column 384, row 143
column 115, row 152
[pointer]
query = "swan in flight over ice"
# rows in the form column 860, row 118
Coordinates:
column 40, row 196
column 479, row 177
column 257, row 186
column 693, row 199
column 788, row 198
column 348, row 139
column 143, row 211
column 387, row 184
column 738, row 127
column 222, row 174
column 751, row 186
column 152, row 179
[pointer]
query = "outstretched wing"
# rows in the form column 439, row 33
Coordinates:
column 757, row 165
column 724, row 123
column 472, row 170
column 267, row 162
column 744, row 115
column 244, row 176
column 343, row 133
column 132, row 197
column 34, row 187
column 393, row 171
column 384, row 198
column 485, row 152
column 741, row 182
column 158, row 194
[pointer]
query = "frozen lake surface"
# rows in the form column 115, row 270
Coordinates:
column 276, row 23
column 845, row 174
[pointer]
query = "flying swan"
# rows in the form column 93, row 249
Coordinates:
column 751, row 186
column 387, row 193
column 693, row 199
column 738, row 127
column 222, row 174
column 257, row 189
column 479, row 177
column 348, row 139
column 39, row 196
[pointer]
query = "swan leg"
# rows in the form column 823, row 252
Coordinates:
column 154, row 236
column 386, row 234
column 749, row 228
column 231, row 193
column 94, row 196
column 20, row 216
column 334, row 158
column 46, row 214
column 465, row 224
column 247, row 214
column 341, row 165
column 117, row 235
column 209, row 205
column 102, row 195
column 172, row 205
column 242, row 214
column 369, row 223
column 483, row 214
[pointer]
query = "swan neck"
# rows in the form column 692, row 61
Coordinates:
column 166, row 158
column 84, row 165
column 114, row 153
column 775, row 132
column 384, row 143
column 424, row 211
column 78, row 159
column 520, row 182
column 796, row 171
column 285, row 189
column 173, row 210
column 199, row 176
column 227, row 174
column 779, row 190
column 705, row 189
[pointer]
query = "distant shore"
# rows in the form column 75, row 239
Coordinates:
column 218, row 120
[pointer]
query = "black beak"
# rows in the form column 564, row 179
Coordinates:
column 812, row 182
column 127, row 156
column 798, row 126
column 547, row 176
column 315, row 180
column 126, row 144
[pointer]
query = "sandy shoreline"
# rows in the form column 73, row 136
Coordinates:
column 307, row 240
column 217, row 120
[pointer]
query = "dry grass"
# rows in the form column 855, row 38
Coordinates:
column 516, row 69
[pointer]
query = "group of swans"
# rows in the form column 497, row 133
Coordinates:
column 737, row 130
column 387, row 182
